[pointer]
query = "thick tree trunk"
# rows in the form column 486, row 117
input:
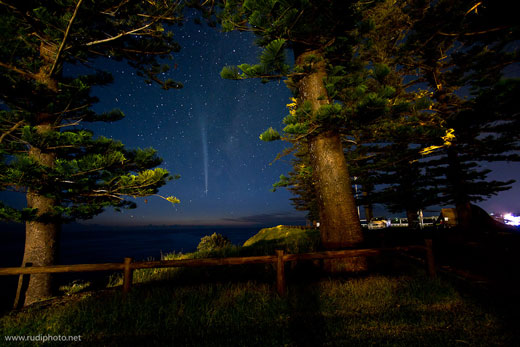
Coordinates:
column 41, row 249
column 42, row 235
column 339, row 225
column 339, row 221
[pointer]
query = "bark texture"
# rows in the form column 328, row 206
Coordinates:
column 339, row 225
column 42, row 236
column 339, row 221
column 41, row 249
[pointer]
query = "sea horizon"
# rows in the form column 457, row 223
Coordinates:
column 85, row 243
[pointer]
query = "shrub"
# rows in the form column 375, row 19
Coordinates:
column 213, row 242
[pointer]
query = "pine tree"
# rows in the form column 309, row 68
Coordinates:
column 66, row 172
column 406, row 141
column 385, row 113
column 445, row 170
column 462, row 50
column 318, row 32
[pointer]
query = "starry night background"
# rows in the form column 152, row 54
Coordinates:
column 207, row 132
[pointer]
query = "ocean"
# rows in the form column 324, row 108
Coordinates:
column 90, row 245
column 82, row 245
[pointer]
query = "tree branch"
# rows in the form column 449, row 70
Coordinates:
column 112, row 11
column 476, row 32
column 120, row 35
column 17, row 70
column 65, row 37
column 13, row 128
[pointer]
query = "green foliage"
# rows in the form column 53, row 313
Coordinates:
column 230, row 73
column 213, row 242
column 43, row 145
column 270, row 135
column 397, row 79
column 273, row 57
column 381, row 71
column 328, row 113
column 282, row 182
column 291, row 239
column 296, row 129
column 272, row 64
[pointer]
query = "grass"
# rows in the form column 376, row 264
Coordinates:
column 292, row 240
column 380, row 310
column 225, row 307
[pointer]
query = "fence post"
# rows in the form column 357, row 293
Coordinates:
column 429, row 258
column 127, row 275
column 23, row 283
column 280, row 272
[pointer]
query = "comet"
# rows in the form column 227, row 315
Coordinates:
column 203, row 135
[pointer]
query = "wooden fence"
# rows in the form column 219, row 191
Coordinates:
column 128, row 266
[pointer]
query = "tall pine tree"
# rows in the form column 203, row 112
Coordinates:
column 377, row 107
column 65, row 172
column 462, row 50
column 319, row 33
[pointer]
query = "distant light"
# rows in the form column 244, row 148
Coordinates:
column 509, row 219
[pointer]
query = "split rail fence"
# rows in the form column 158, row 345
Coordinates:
column 128, row 266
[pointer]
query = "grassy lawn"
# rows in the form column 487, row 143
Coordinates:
column 375, row 310
column 180, row 307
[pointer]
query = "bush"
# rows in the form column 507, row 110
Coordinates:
column 213, row 242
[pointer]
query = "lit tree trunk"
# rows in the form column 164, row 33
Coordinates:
column 41, row 236
column 339, row 221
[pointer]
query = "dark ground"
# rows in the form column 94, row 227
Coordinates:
column 484, row 266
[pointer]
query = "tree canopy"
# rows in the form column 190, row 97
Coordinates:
column 46, row 150
column 418, row 90
column 46, row 110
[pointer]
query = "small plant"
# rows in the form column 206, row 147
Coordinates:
column 74, row 287
column 213, row 242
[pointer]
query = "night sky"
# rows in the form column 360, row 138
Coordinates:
column 208, row 133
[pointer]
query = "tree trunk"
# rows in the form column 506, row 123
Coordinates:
column 339, row 221
column 413, row 220
column 464, row 216
column 41, row 249
column 42, row 235
column 461, row 199
column 369, row 209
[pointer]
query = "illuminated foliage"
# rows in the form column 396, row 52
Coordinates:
column 44, row 111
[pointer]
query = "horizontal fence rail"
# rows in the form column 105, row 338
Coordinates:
column 61, row 268
column 128, row 266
